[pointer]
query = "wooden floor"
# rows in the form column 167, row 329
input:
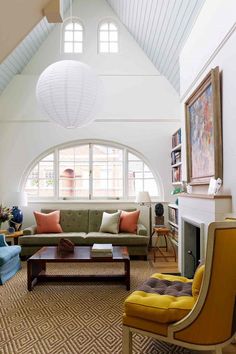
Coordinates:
column 168, row 265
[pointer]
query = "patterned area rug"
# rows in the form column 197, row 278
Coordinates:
column 69, row 318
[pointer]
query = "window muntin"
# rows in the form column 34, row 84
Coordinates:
column 140, row 178
column 107, row 167
column 41, row 179
column 108, row 38
column 73, row 38
column 90, row 171
column 74, row 172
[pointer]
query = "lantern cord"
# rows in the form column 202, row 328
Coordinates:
column 71, row 17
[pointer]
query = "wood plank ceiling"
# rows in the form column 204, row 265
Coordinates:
column 160, row 27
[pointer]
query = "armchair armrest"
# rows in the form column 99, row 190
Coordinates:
column 141, row 230
column 31, row 230
column 3, row 241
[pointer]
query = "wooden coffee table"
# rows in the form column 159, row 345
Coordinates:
column 36, row 265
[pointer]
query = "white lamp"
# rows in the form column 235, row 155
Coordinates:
column 69, row 93
column 17, row 199
column 143, row 198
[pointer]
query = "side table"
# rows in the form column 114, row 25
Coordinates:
column 167, row 234
column 14, row 235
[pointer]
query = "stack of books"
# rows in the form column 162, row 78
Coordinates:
column 102, row 250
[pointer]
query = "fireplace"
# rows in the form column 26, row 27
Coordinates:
column 196, row 212
column 192, row 245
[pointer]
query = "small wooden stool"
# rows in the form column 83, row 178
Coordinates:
column 166, row 233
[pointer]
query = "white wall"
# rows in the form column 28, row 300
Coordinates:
column 212, row 43
column 141, row 109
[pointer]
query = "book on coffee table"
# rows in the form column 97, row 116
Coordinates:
column 102, row 250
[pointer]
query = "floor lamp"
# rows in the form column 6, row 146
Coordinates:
column 143, row 198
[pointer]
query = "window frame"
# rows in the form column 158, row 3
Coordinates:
column 73, row 20
column 108, row 21
column 55, row 151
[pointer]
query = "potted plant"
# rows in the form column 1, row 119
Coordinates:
column 5, row 214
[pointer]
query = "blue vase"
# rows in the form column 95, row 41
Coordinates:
column 17, row 218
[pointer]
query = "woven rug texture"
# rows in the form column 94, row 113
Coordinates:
column 71, row 318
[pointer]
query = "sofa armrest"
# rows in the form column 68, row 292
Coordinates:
column 31, row 230
column 3, row 241
column 141, row 230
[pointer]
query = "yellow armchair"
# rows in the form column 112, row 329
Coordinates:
column 208, row 318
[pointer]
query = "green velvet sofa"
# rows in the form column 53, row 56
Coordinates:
column 82, row 228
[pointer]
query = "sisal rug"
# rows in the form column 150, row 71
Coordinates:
column 69, row 318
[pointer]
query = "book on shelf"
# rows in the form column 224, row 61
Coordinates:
column 176, row 138
column 102, row 250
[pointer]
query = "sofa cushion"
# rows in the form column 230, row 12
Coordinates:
column 8, row 252
column 121, row 239
column 95, row 219
column 129, row 221
column 47, row 223
column 77, row 238
column 163, row 298
column 72, row 220
column 110, row 222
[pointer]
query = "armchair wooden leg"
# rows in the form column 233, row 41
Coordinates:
column 126, row 341
column 218, row 350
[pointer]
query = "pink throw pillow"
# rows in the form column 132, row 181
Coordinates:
column 128, row 221
column 47, row 223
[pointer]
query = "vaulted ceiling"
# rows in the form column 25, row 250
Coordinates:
column 160, row 27
column 19, row 57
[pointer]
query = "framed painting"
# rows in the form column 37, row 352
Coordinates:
column 203, row 131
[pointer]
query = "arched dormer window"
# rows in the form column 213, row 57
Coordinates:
column 73, row 37
column 90, row 170
column 108, row 37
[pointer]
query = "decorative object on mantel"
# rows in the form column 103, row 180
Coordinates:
column 65, row 246
column 203, row 131
column 189, row 189
column 214, row 186
column 69, row 93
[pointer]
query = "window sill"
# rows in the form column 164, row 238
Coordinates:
column 86, row 201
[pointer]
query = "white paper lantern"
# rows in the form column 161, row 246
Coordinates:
column 69, row 93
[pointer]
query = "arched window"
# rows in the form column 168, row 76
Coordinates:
column 108, row 37
column 73, row 37
column 90, row 171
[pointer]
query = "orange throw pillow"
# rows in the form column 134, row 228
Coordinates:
column 128, row 221
column 47, row 223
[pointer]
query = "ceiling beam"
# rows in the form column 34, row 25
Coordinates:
column 18, row 18
column 53, row 11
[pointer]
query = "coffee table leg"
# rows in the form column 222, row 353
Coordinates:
column 33, row 271
column 127, row 274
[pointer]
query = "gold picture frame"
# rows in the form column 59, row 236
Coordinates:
column 203, row 131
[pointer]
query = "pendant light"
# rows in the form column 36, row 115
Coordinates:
column 69, row 93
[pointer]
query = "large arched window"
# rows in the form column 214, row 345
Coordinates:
column 108, row 37
column 73, row 36
column 90, row 171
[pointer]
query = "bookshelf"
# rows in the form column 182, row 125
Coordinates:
column 176, row 172
column 173, row 222
column 176, row 158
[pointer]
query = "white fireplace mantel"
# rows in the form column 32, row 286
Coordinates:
column 203, row 208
